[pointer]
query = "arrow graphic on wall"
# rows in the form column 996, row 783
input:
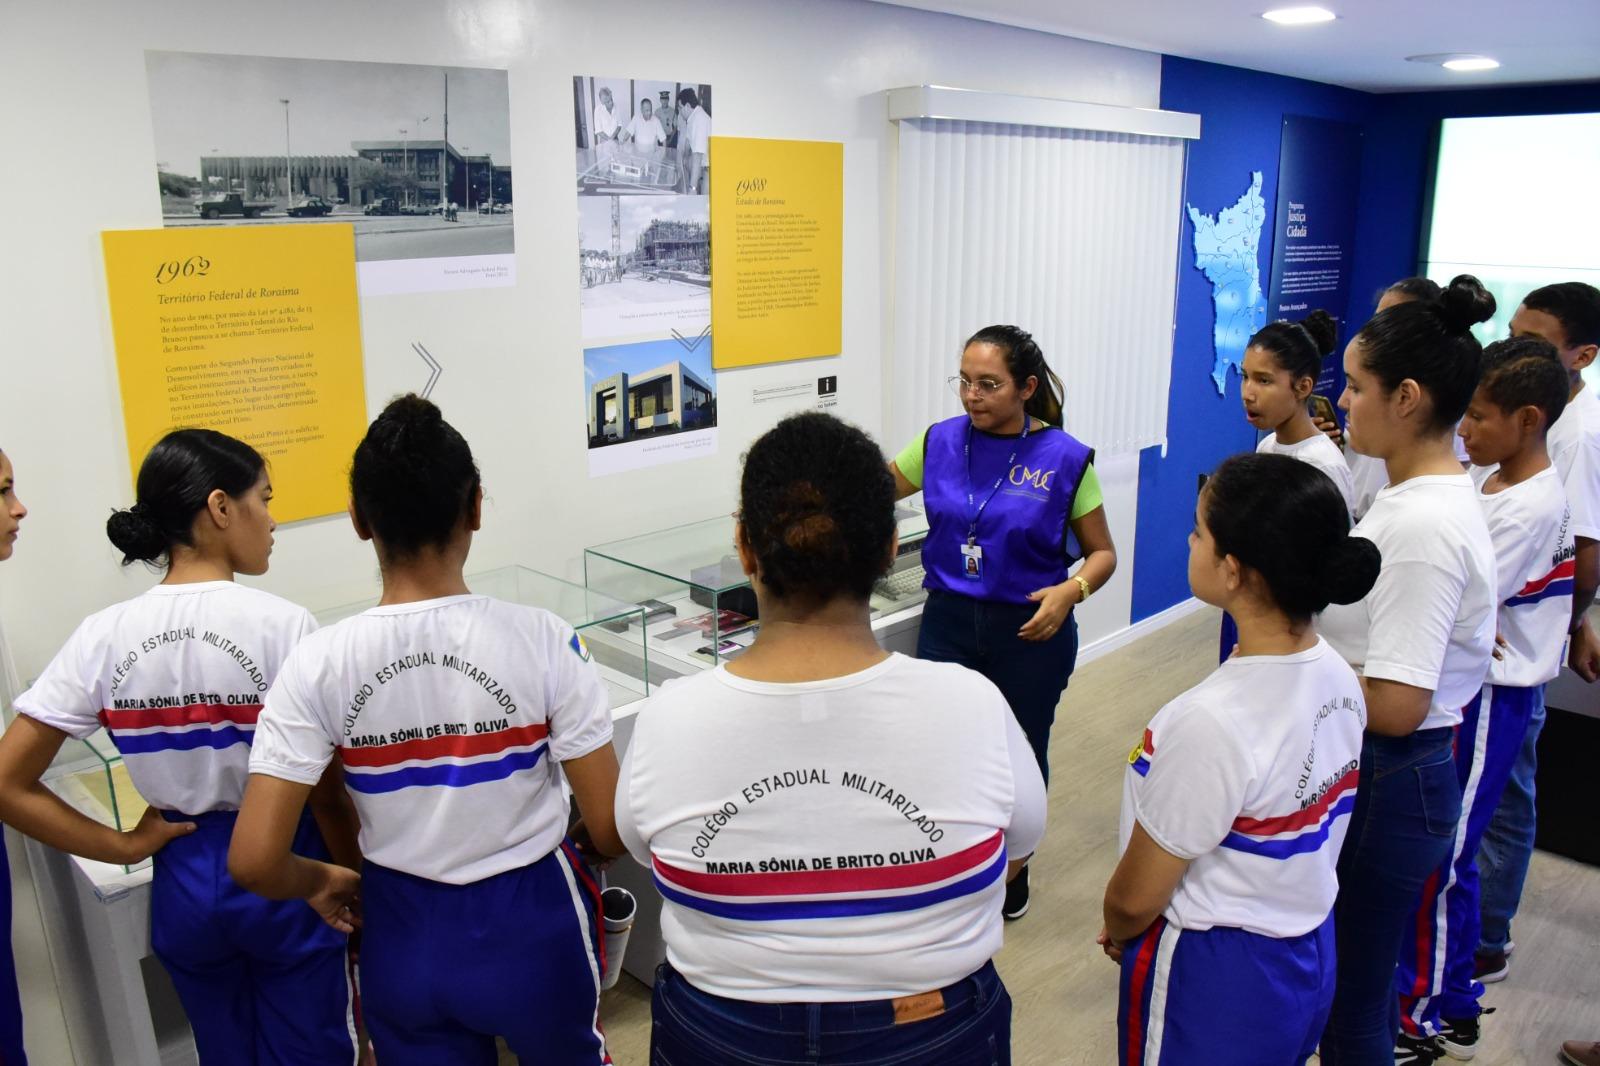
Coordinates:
column 433, row 378
column 694, row 342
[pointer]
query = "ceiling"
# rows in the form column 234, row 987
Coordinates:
column 1536, row 41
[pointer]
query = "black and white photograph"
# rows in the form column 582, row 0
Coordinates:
column 644, row 264
column 417, row 158
column 642, row 137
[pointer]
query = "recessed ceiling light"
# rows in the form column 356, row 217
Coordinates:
column 1457, row 61
column 1299, row 16
column 1471, row 63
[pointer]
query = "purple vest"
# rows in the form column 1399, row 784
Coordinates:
column 1023, row 530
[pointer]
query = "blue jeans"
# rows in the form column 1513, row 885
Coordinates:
column 971, row 1027
column 1507, row 844
column 982, row 635
column 1401, row 831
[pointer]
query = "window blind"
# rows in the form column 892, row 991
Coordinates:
column 1069, row 233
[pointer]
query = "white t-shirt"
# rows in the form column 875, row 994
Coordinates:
column 448, row 716
column 1321, row 453
column 1429, row 620
column 1251, row 775
column 604, row 122
column 835, row 840
column 1535, row 562
column 697, row 128
column 1368, row 476
column 1574, row 446
column 646, row 132
column 177, row 676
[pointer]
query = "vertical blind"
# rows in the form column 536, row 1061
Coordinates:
column 1071, row 234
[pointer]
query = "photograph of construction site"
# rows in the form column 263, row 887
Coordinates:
column 644, row 264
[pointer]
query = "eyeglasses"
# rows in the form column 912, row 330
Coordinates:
column 961, row 386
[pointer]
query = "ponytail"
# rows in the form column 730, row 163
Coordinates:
column 1286, row 520
column 175, row 483
column 1024, row 360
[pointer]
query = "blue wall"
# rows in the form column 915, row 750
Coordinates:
column 1241, row 127
column 1241, row 124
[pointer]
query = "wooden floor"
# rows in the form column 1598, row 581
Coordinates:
column 1065, row 990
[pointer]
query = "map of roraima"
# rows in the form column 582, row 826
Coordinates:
column 1225, row 247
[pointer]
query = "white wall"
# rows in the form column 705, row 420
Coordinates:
column 80, row 160
column 79, row 125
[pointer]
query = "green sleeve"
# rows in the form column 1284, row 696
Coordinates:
column 1088, row 498
column 909, row 461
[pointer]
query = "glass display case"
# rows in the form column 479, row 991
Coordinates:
column 91, row 777
column 613, row 629
column 698, row 605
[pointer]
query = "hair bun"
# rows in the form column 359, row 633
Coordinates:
column 135, row 536
column 411, row 409
column 811, row 534
column 409, row 422
column 1351, row 569
column 1323, row 329
column 1464, row 303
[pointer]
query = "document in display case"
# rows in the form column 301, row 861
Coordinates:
column 698, row 605
column 613, row 630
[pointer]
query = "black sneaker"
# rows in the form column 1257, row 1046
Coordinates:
column 1016, row 904
column 1492, row 967
column 1415, row 1050
column 1458, row 1037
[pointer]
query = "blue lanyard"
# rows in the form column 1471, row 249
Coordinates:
column 975, row 510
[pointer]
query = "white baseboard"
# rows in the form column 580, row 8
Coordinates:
column 1127, row 635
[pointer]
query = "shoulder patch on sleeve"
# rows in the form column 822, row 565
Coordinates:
column 1139, row 757
column 579, row 648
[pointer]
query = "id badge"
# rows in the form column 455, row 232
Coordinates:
column 972, row 561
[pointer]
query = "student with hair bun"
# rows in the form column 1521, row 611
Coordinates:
column 1407, row 289
column 177, row 677
column 1280, row 368
column 1521, row 393
column 1367, row 474
column 1013, row 502
column 449, row 713
column 1422, row 640
column 830, row 824
column 1238, row 796
column 1281, row 364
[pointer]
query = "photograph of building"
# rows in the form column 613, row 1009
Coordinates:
column 416, row 157
column 648, row 389
column 644, row 262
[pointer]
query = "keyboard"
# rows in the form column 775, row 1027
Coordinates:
column 902, row 583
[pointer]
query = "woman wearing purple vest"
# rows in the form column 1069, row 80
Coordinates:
column 1012, row 502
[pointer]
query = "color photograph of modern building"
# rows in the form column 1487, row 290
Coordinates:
column 648, row 389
